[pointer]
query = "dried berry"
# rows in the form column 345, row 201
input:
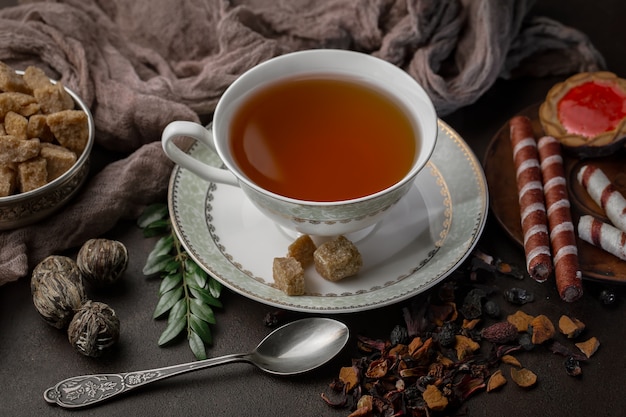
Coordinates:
column 572, row 366
column 57, row 289
column 519, row 296
column 447, row 334
column 526, row 342
column 399, row 335
column 501, row 333
column 607, row 297
column 94, row 329
column 492, row 309
column 473, row 304
column 102, row 261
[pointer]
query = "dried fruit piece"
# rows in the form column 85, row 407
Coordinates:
column 377, row 369
column 349, row 376
column 523, row 377
column 465, row 346
column 501, row 333
column 496, row 380
column 57, row 289
column 571, row 327
column 543, row 329
column 589, row 347
column 435, row 400
column 572, row 366
column 520, row 320
column 511, row 360
column 94, row 329
column 518, row 296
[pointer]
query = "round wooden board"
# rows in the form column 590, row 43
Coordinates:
column 595, row 263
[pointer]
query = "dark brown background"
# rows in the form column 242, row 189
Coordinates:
column 33, row 356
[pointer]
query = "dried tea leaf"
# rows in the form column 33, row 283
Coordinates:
column 435, row 400
column 496, row 380
column 511, row 360
column 571, row 327
column 589, row 347
column 520, row 320
column 543, row 329
column 523, row 377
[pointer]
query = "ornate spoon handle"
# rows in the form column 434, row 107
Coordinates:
column 86, row 390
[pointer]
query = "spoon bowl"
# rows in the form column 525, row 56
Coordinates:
column 294, row 348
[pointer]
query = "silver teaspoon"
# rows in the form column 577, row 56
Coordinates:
column 294, row 348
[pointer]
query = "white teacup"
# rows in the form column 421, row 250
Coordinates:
column 317, row 218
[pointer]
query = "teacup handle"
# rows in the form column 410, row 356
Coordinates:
column 205, row 137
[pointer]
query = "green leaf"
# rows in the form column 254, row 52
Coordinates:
column 156, row 265
column 196, row 345
column 204, row 295
column 167, row 301
column 151, row 214
column 178, row 310
column 195, row 274
column 163, row 246
column 201, row 327
column 202, row 310
column 171, row 266
column 156, row 230
column 172, row 330
column 170, row 282
column 215, row 287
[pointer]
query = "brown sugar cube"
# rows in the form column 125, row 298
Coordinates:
column 16, row 125
column 58, row 158
column 288, row 275
column 7, row 181
column 32, row 174
column 13, row 150
column 53, row 98
column 38, row 128
column 70, row 128
column 2, row 130
column 302, row 249
column 21, row 103
column 35, row 78
column 11, row 81
column 337, row 259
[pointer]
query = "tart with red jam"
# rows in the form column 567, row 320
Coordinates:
column 587, row 113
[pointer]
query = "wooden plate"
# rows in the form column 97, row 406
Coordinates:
column 595, row 263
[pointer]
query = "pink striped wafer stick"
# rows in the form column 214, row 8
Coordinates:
column 531, row 199
column 602, row 235
column 567, row 273
column 602, row 191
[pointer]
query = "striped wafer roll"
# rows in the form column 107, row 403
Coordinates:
column 602, row 235
column 604, row 194
column 567, row 273
column 531, row 199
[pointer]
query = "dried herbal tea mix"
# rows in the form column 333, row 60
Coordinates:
column 455, row 343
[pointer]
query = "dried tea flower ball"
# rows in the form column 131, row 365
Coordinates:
column 57, row 288
column 94, row 329
column 102, row 261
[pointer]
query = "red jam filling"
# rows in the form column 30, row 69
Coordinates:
column 592, row 108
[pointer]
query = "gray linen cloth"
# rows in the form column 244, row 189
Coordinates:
column 140, row 64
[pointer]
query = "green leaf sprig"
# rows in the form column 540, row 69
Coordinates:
column 187, row 293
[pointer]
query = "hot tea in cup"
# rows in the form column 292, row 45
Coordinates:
column 323, row 141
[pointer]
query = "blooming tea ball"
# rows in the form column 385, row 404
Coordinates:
column 94, row 329
column 102, row 261
column 57, row 289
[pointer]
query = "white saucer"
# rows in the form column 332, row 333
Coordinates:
column 422, row 239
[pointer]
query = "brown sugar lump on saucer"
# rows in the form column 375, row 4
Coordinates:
column 288, row 275
column 302, row 249
column 337, row 259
